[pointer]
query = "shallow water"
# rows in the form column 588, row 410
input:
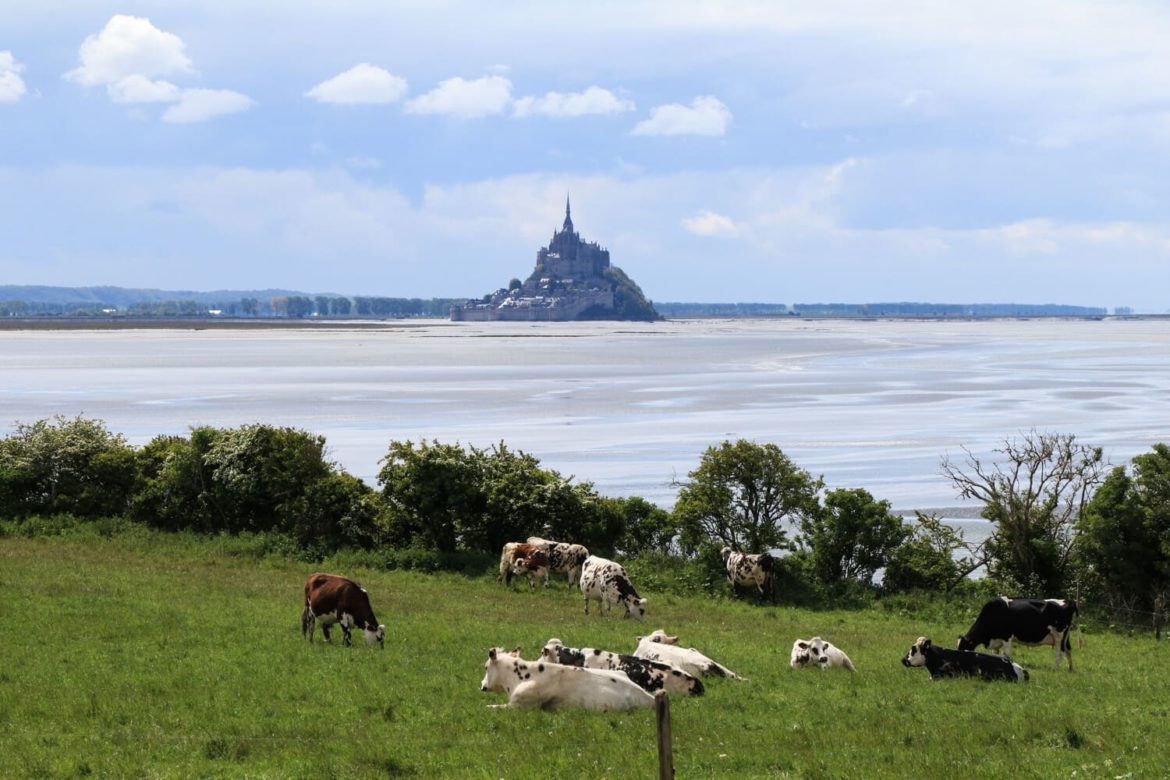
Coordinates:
column 629, row 407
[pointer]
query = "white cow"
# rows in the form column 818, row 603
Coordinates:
column 605, row 581
column 818, row 652
column 547, row 686
column 658, row 646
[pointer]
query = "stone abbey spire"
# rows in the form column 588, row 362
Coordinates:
column 568, row 226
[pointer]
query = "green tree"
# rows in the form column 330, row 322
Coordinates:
column 429, row 489
column 71, row 465
column 742, row 495
column 1034, row 495
column 1125, row 532
column 648, row 527
column 931, row 558
column 850, row 537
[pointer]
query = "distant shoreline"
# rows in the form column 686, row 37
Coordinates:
column 270, row 323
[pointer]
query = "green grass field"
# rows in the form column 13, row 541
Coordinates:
column 168, row 656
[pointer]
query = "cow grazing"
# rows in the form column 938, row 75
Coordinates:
column 563, row 557
column 1027, row 621
column 818, row 652
column 942, row 662
column 658, row 646
column 547, row 686
column 521, row 558
column 607, row 582
column 333, row 599
column 650, row 676
column 745, row 570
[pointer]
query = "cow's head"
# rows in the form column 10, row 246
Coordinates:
column 500, row 669
column 661, row 637
column 551, row 651
column 635, row 608
column 725, row 553
column 917, row 654
column 377, row 635
column 966, row 644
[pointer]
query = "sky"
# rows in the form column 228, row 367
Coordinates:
column 781, row 152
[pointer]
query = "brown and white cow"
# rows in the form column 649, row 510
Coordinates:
column 606, row 581
column 745, row 570
column 563, row 557
column 521, row 558
column 547, row 686
column 650, row 676
column 331, row 599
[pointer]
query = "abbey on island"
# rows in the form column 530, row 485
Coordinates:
column 572, row 280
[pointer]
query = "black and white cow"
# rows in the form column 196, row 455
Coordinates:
column 606, row 581
column 942, row 662
column 818, row 652
column 1027, row 621
column 330, row 598
column 563, row 556
column 745, row 570
column 650, row 676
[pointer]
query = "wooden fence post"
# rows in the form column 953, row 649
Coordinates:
column 665, row 752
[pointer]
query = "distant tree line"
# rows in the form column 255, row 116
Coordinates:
column 1060, row 519
column 929, row 310
column 282, row 306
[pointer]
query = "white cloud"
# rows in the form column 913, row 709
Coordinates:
column 361, row 84
column 464, row 99
column 140, row 89
column 11, row 84
column 199, row 105
column 129, row 46
column 708, row 223
column 594, row 100
column 705, row 115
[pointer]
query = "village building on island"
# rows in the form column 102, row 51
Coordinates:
column 572, row 280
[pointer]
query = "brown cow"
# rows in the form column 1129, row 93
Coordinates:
column 523, row 558
column 334, row 599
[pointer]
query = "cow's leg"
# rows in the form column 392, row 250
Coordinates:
column 325, row 632
column 347, row 637
column 308, row 623
column 586, row 603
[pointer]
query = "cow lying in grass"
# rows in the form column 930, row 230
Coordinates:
column 650, row 676
column 538, row 685
column 658, row 646
column 942, row 662
column 818, row 652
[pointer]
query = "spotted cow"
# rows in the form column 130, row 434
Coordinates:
column 659, row 646
column 563, row 557
column 942, row 662
column 548, row 686
column 1028, row 621
column 818, row 652
column 605, row 581
column 650, row 676
column 331, row 599
column 521, row 558
column 745, row 570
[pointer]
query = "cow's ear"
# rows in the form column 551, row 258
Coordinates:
column 802, row 645
column 492, row 653
column 516, row 651
column 925, row 643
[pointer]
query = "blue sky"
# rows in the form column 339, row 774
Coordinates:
column 782, row 152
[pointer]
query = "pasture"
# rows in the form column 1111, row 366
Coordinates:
column 152, row 655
